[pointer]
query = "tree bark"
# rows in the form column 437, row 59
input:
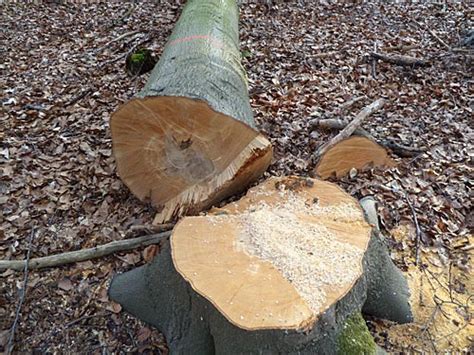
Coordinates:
column 189, row 138
column 194, row 321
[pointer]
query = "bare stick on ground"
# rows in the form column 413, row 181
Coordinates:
column 434, row 35
column 78, row 97
column 122, row 18
column 399, row 149
column 84, row 254
column 143, row 41
column 348, row 104
column 125, row 35
column 398, row 59
column 11, row 338
column 352, row 126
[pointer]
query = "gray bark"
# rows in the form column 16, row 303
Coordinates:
column 157, row 294
column 202, row 60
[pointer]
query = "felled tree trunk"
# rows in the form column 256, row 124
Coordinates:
column 189, row 138
column 286, row 269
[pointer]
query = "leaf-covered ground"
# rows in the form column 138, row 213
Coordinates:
column 63, row 75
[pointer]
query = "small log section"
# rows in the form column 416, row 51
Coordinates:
column 354, row 152
column 188, row 139
column 283, row 270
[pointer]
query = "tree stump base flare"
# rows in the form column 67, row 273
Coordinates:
column 223, row 285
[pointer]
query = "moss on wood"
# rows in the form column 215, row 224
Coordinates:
column 140, row 62
column 355, row 337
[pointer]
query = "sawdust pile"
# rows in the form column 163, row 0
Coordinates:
column 307, row 254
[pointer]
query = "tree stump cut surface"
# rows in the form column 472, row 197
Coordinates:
column 354, row 152
column 279, row 257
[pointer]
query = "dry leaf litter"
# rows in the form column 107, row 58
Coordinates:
column 63, row 75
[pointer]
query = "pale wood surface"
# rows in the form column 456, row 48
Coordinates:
column 182, row 156
column 354, row 152
column 250, row 292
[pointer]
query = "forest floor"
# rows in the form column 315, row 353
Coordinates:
column 63, row 76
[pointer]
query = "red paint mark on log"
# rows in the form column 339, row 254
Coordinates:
column 215, row 42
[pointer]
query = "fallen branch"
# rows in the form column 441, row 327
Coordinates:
column 84, row 254
column 434, row 35
column 337, row 124
column 11, row 338
column 324, row 55
column 348, row 104
column 125, row 35
column 78, row 97
column 398, row 149
column 127, row 14
column 401, row 150
column 402, row 48
column 374, row 63
column 126, row 54
column 398, row 59
column 352, row 126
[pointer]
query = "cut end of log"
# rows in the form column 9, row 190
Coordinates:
column 279, row 257
column 182, row 156
column 352, row 153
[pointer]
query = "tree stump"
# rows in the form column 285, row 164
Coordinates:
column 189, row 139
column 286, row 269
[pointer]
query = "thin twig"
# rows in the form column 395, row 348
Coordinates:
column 417, row 230
column 348, row 104
column 22, row 296
column 84, row 254
column 130, row 51
column 125, row 35
column 434, row 35
column 398, row 59
column 374, row 63
column 127, row 14
column 78, row 97
column 450, row 280
column 324, row 55
column 80, row 319
column 435, row 351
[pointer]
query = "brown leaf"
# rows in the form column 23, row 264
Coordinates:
column 114, row 307
column 150, row 252
column 143, row 334
column 65, row 284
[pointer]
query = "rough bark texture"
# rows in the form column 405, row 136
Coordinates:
column 388, row 291
column 202, row 60
column 157, row 294
column 188, row 139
